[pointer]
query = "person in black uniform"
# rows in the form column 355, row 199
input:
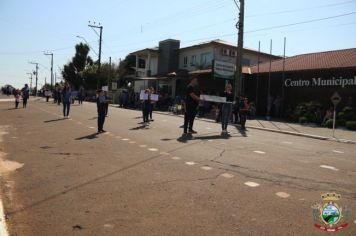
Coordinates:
column 101, row 105
column 146, row 106
column 226, row 108
column 191, row 104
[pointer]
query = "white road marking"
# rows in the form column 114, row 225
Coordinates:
column 143, row 146
column 132, row 142
column 355, row 221
column 206, row 168
column 252, row 184
column 3, row 227
column 227, row 175
column 109, row 226
column 329, row 167
column 125, row 139
column 283, row 195
column 287, row 142
column 339, row 152
column 91, row 127
column 259, row 152
column 153, row 149
column 176, row 158
column 190, row 163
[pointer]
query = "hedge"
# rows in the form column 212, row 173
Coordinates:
column 351, row 125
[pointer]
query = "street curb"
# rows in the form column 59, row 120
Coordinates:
column 275, row 130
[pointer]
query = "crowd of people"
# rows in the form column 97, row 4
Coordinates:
column 233, row 110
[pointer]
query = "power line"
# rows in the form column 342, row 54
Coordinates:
column 301, row 9
column 301, row 22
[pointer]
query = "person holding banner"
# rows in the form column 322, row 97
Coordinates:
column 191, row 104
column 226, row 108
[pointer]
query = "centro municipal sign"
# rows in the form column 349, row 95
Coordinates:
column 320, row 82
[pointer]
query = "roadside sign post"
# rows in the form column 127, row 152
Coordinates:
column 335, row 99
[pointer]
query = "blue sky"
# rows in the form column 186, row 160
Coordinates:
column 30, row 27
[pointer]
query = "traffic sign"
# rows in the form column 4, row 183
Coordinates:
column 335, row 98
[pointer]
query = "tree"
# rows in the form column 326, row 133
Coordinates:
column 72, row 71
column 125, row 69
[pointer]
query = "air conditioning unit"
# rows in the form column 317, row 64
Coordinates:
column 225, row 52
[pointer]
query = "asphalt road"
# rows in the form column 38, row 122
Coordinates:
column 136, row 180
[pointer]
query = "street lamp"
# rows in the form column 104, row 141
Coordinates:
column 36, row 72
column 50, row 54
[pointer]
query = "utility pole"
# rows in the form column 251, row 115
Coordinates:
column 240, row 27
column 35, row 63
column 100, row 27
column 109, row 83
column 51, row 54
column 30, row 81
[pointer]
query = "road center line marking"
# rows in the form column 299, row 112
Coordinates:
column 227, row 175
column 153, row 149
column 125, row 139
column 252, row 184
column 190, row 163
column 91, row 127
column 259, row 152
column 283, row 195
column 339, row 152
column 206, row 168
column 175, row 158
column 143, row 146
column 329, row 167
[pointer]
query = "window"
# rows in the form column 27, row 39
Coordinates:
column 141, row 63
column 193, row 61
column 233, row 53
column 185, row 61
column 225, row 52
column 206, row 59
column 246, row 62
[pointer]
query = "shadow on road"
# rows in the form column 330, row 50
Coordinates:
column 139, row 127
column 49, row 121
column 94, row 118
column 185, row 138
column 90, row 136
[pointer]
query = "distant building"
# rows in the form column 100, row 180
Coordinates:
column 305, row 78
column 168, row 67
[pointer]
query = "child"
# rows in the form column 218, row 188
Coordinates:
column 17, row 99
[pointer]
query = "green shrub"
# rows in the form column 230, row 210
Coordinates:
column 351, row 125
column 349, row 113
column 329, row 123
column 341, row 122
column 303, row 120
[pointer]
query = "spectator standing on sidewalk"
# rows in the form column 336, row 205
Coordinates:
column 66, row 99
column 227, row 108
column 25, row 95
column 81, row 95
column 191, row 104
column 101, row 107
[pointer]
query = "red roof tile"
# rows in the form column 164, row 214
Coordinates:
column 345, row 58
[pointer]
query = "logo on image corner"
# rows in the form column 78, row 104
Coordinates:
column 330, row 216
